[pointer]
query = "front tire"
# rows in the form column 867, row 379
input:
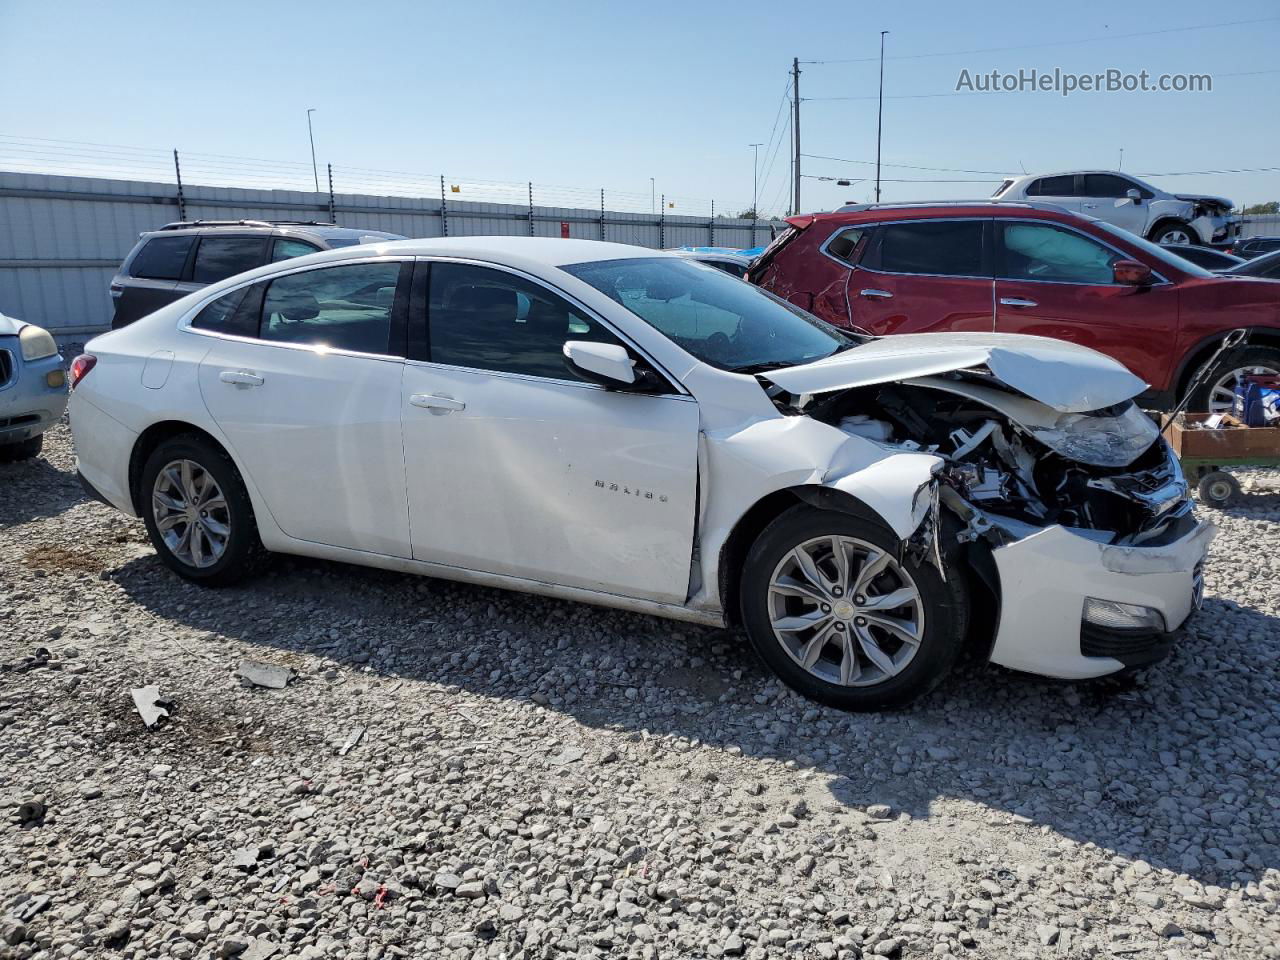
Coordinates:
column 198, row 513
column 22, row 450
column 1175, row 232
column 1216, row 393
column 837, row 609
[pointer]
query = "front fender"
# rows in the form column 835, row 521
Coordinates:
column 748, row 464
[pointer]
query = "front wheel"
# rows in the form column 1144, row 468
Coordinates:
column 1217, row 390
column 838, row 610
column 198, row 512
column 22, row 450
column 1175, row 233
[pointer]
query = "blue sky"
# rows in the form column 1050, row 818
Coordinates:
column 585, row 95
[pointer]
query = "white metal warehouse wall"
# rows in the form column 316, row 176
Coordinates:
column 62, row 238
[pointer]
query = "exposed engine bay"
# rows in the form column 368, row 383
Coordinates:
column 1013, row 465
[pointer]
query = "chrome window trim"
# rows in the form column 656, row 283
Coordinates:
column 184, row 321
column 1160, row 278
column 573, row 301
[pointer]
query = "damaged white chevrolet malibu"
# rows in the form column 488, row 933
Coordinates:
column 604, row 423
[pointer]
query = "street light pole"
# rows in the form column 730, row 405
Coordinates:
column 755, row 178
column 314, row 172
column 880, row 114
column 653, row 197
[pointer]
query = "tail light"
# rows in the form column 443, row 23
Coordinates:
column 80, row 368
column 116, row 290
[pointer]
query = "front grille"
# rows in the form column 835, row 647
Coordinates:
column 6, row 367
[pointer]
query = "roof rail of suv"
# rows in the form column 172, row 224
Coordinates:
column 1031, row 204
column 188, row 224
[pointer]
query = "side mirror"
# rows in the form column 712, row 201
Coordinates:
column 1135, row 195
column 607, row 364
column 1131, row 273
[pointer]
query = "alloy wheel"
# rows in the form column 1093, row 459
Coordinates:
column 1222, row 395
column 846, row 611
column 191, row 513
column 1176, row 237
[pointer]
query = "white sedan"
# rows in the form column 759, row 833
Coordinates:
column 610, row 424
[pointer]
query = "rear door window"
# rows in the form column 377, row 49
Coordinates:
column 1061, row 186
column 948, row 248
column 350, row 307
column 220, row 257
column 162, row 258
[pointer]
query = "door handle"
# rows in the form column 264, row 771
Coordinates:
column 433, row 401
column 241, row 378
column 876, row 294
column 1017, row 302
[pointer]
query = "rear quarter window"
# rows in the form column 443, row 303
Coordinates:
column 161, row 258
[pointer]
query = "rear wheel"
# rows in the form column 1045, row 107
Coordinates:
column 22, row 450
column 1218, row 489
column 841, row 614
column 198, row 512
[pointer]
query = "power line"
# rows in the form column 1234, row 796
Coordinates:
column 1051, row 43
column 904, row 166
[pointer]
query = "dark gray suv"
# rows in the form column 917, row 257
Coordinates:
column 180, row 258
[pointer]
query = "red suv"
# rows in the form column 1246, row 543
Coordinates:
column 1027, row 268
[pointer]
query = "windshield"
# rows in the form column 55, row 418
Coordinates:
column 717, row 318
column 1154, row 250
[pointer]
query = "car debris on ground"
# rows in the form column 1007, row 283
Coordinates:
column 255, row 673
column 149, row 705
column 710, row 813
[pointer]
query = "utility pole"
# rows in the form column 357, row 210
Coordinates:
column 1121, row 167
column 755, row 178
column 653, row 201
column 880, row 115
column 310, row 136
column 795, row 133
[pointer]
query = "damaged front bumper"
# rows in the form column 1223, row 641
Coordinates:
column 1047, row 578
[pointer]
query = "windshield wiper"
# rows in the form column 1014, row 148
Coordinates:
column 767, row 365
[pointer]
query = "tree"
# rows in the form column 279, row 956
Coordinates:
column 1271, row 207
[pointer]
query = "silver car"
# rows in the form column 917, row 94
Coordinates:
column 33, row 388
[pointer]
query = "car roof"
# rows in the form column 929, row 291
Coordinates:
column 869, row 212
column 323, row 231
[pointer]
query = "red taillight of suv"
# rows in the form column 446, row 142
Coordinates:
column 80, row 367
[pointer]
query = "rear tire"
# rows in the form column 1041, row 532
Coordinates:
column 22, row 450
column 198, row 513
column 855, row 640
column 1218, row 489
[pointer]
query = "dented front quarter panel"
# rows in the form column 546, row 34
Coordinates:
column 747, row 458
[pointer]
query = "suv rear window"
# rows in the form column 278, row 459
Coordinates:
column 220, row 257
column 162, row 258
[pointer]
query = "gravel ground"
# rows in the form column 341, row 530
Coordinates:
column 464, row 773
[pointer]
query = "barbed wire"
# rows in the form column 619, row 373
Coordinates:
column 46, row 155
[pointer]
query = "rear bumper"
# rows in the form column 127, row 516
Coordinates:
column 103, row 448
column 1045, row 579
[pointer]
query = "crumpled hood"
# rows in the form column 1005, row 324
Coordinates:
column 1205, row 198
column 1065, row 376
column 9, row 326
